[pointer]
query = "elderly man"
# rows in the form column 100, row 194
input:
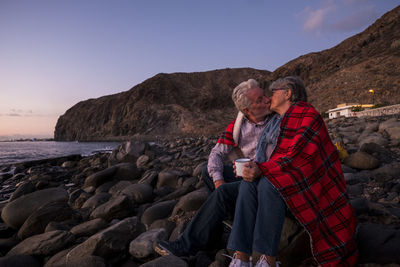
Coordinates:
column 240, row 138
column 301, row 170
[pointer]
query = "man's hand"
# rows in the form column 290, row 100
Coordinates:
column 251, row 172
column 218, row 183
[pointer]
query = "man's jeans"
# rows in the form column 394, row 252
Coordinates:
column 218, row 206
column 259, row 217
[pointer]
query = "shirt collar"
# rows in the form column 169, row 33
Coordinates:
column 261, row 123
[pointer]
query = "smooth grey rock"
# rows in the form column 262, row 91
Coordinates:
column 58, row 259
column 127, row 171
column 390, row 123
column 111, row 243
column 361, row 160
column 89, row 261
column 355, row 190
column 23, row 189
column 158, row 211
column 118, row 187
column 168, row 178
column 191, row 201
column 378, row 243
column 166, row 261
column 142, row 161
column 89, row 228
column 372, row 137
column 190, row 182
column 165, row 224
column 19, row 261
column 38, row 220
column 360, row 205
column 96, row 200
column 128, row 152
column 100, row 177
column 142, row 246
column 149, row 177
column 43, row 244
column 394, row 132
column 391, row 170
column 199, row 168
column 116, row 208
column 140, row 193
column 16, row 212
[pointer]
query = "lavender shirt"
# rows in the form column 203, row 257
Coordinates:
column 248, row 139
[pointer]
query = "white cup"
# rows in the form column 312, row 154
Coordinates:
column 239, row 164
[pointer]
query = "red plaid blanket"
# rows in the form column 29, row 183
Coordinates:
column 227, row 136
column 305, row 168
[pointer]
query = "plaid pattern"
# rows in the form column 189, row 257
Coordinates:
column 305, row 168
column 226, row 137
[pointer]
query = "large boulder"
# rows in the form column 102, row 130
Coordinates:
column 378, row 243
column 166, row 261
column 16, row 212
column 143, row 245
column 19, row 261
column 89, row 228
column 44, row 244
column 361, row 160
column 191, row 201
column 158, row 211
column 100, row 177
column 128, row 152
column 38, row 220
column 140, row 193
column 111, row 242
column 116, row 208
column 96, row 200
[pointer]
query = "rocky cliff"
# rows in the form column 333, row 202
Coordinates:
column 180, row 104
column 187, row 104
column 345, row 73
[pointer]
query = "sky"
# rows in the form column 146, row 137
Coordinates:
column 56, row 53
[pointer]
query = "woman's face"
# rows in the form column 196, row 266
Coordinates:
column 279, row 98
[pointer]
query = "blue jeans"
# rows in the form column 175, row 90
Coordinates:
column 218, row 206
column 259, row 216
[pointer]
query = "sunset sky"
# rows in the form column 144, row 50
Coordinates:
column 55, row 53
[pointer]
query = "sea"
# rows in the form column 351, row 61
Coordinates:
column 14, row 152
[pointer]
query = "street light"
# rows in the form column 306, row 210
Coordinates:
column 373, row 94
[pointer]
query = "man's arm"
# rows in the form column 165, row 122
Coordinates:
column 215, row 165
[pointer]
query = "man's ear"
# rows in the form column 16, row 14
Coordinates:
column 245, row 111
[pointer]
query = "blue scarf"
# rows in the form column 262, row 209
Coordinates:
column 268, row 136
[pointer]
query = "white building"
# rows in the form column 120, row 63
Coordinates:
column 345, row 110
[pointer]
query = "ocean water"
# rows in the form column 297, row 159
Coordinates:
column 13, row 152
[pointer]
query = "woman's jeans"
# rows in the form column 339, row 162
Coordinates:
column 259, row 216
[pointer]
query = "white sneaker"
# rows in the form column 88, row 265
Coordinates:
column 237, row 262
column 262, row 262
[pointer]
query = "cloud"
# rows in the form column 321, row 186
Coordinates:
column 336, row 16
column 315, row 20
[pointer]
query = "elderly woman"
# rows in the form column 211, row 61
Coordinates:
column 299, row 170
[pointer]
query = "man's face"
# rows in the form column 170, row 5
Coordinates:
column 260, row 105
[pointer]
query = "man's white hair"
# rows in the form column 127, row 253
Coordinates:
column 239, row 94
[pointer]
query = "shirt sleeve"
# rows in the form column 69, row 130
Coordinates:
column 215, row 165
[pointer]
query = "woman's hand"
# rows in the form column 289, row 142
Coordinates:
column 251, row 172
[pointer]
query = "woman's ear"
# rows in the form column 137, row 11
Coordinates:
column 288, row 94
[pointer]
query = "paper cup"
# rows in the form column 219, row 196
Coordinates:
column 239, row 164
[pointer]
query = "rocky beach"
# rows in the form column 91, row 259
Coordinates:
column 110, row 209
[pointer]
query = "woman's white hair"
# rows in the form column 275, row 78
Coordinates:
column 239, row 94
